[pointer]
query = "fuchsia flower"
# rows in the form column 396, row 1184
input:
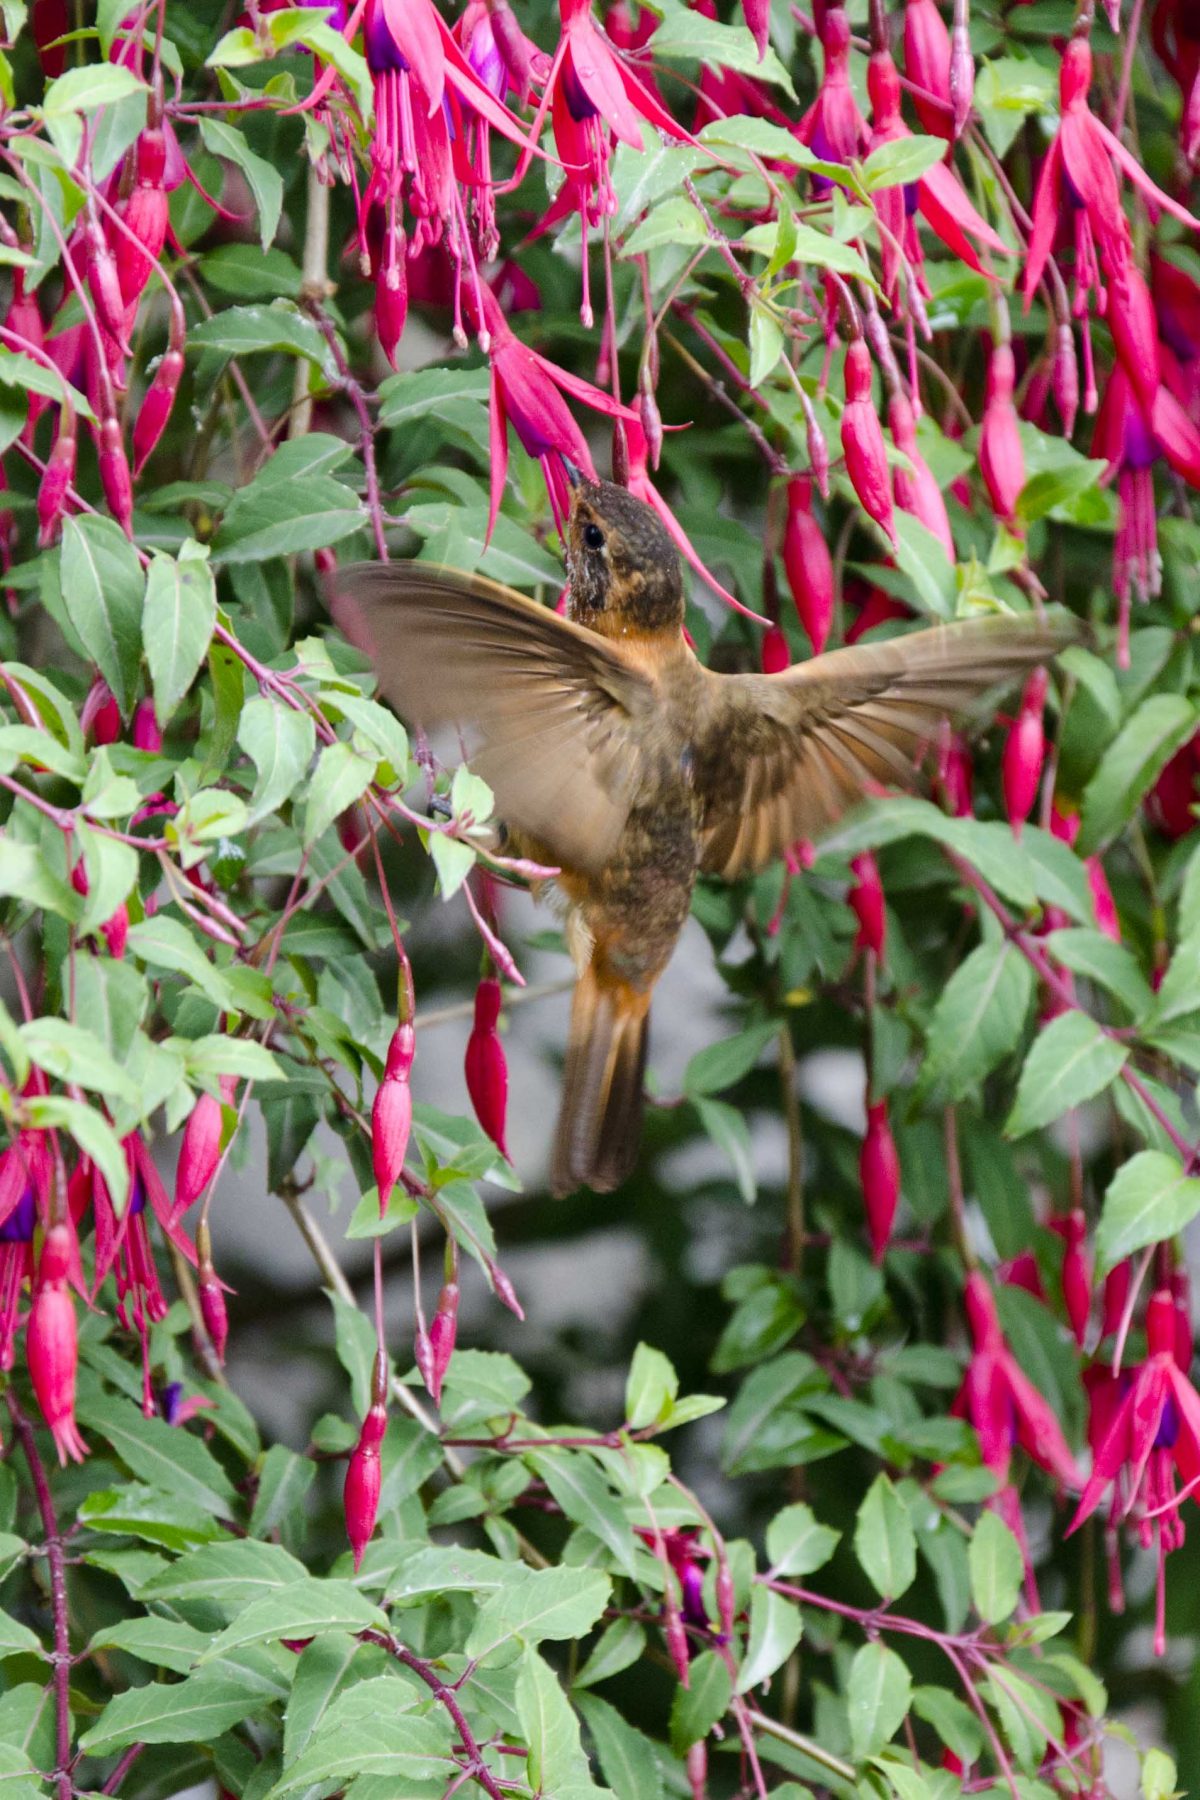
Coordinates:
column 138, row 248
column 916, row 490
column 57, row 477
column 938, row 195
column 391, row 1113
column 51, row 1344
column 862, row 440
column 1154, row 1433
column 1065, row 826
column 527, row 392
column 364, row 1472
column 808, row 564
column 1078, row 177
column 593, row 97
column 774, row 655
column 866, row 902
column 1001, row 458
column 1131, row 440
column 435, row 1347
column 200, row 1151
column 879, row 1173
column 1001, row 1402
column 833, row 128
column 212, row 1294
column 1076, row 1270
column 927, row 65
column 1172, row 800
column 505, row 61
column 1025, row 752
column 16, row 1249
column 486, row 1067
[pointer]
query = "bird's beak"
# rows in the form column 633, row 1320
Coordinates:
column 573, row 472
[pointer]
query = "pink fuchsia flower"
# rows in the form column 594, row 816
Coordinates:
column 862, row 440
column 16, row 1266
column 57, row 477
column 159, row 398
column 1001, row 458
column 200, row 1150
column 505, row 61
column 1065, row 827
column 1001, row 1402
column 916, row 490
column 1025, row 752
column 1154, row 1435
column 808, row 564
column 138, row 247
column 833, row 128
column 1131, row 440
column 527, row 392
column 879, row 1173
column 51, row 1345
column 1172, row 801
column 865, row 899
column 593, row 97
column 486, row 1066
column 212, row 1294
column 442, row 1335
column 774, row 655
column 391, row 1113
column 927, row 65
column 1076, row 1270
column 1022, row 1271
column 364, row 1472
column 938, row 195
column 1078, row 176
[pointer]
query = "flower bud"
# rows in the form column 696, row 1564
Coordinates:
column 953, row 781
column 879, row 1172
column 486, row 1067
column 1064, row 377
column 866, row 902
column 156, row 406
column 51, row 1345
column 1025, row 752
column 916, row 490
column 1001, row 458
column 139, row 247
column 57, row 477
column 757, row 14
column 114, row 473
column 115, row 932
column 1103, row 903
column 1116, row 1295
column 1076, row 1273
column 364, row 1473
column 962, row 68
column 677, row 1643
column 1184, row 1345
column 391, row 299
column 927, row 65
column 146, row 733
column 1160, row 1324
column 1189, row 125
column 774, row 653
column 515, row 46
column 651, row 423
column 212, row 1295
column 808, row 564
column 443, row 1331
column 105, row 286
column 101, row 716
column 862, row 440
column 391, row 1114
column 200, row 1151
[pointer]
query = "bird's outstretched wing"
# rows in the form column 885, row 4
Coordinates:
column 551, row 703
column 784, row 755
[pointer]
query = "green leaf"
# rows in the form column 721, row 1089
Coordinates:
column 72, row 1053
column 305, row 1609
column 727, row 1128
column 674, row 221
column 283, row 518
column 550, row 1728
column 453, row 859
column 165, row 1456
column 952, row 1719
column 102, row 588
column 539, row 1603
column 249, row 330
column 150, row 1514
column 884, row 1541
column 279, row 742
column 901, row 162
column 452, row 396
column 619, row 1647
column 1131, row 765
column 86, row 89
column 628, row 1759
column 1159, row 1776
column 230, row 1575
column 766, row 343
column 319, row 1673
column 697, row 1708
column 722, row 1064
column 393, row 1745
column 584, row 1496
column 165, row 944
column 877, row 1696
column 94, row 1135
column 177, row 622
column 1111, row 966
column 650, row 1388
column 978, row 1018
column 223, row 1054
column 163, row 1643
column 182, row 1712
column 797, row 1543
column 1148, row 1200
column 1070, row 1061
column 340, row 778
column 17, row 1639
column 265, row 181
column 997, row 1568
column 775, row 1629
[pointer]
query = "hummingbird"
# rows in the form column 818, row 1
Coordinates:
column 616, row 757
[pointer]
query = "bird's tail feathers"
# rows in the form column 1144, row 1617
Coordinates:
column 600, row 1123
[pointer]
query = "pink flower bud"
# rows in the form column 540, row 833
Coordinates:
column 808, row 564
column 1076, row 1273
column 1001, row 458
column 139, row 247
column 146, row 733
column 962, row 68
column 391, row 298
column 101, row 716
column 105, row 286
column 212, row 1295
column 114, row 473
column 1160, row 1323
column 862, row 440
column 57, row 477
column 677, row 1644
column 866, row 902
column 1103, row 904
column 391, row 1114
column 443, row 1330
column 757, row 14
column 1024, row 752
column 200, row 1151
column 486, row 1067
column 954, row 775
column 364, row 1474
column 515, row 46
column 927, row 65
column 51, row 1347
column 879, row 1172
column 1181, row 1293
column 155, row 409
column 1064, row 377
column 916, row 490
column 506, row 1293
column 1116, row 1294
column 725, row 1599
column 651, row 423
column 774, row 653
column 115, row 932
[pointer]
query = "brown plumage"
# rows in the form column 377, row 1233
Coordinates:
column 615, row 756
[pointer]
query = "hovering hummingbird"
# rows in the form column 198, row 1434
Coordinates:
column 617, row 757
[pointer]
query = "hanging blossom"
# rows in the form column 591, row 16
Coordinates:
column 425, row 92
column 1001, row 1402
column 1152, row 1435
column 594, row 98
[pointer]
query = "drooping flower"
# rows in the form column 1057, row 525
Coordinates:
column 862, row 440
column 212, row 1294
column 866, row 902
column 200, row 1150
column 1154, row 1434
column 364, row 1472
column 833, row 128
column 1025, row 751
column 1065, row 827
column 1001, row 1402
column 51, row 1344
column 486, row 1065
column 1172, row 801
column 1001, row 458
column 1076, row 1270
column 443, row 1330
column 391, row 1113
column 916, row 490
column 57, row 477
column 138, row 247
column 808, row 564
column 927, row 65
column 879, row 1173
column 16, row 1266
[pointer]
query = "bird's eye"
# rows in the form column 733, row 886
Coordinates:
column 593, row 537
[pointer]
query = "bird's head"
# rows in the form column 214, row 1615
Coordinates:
column 625, row 575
